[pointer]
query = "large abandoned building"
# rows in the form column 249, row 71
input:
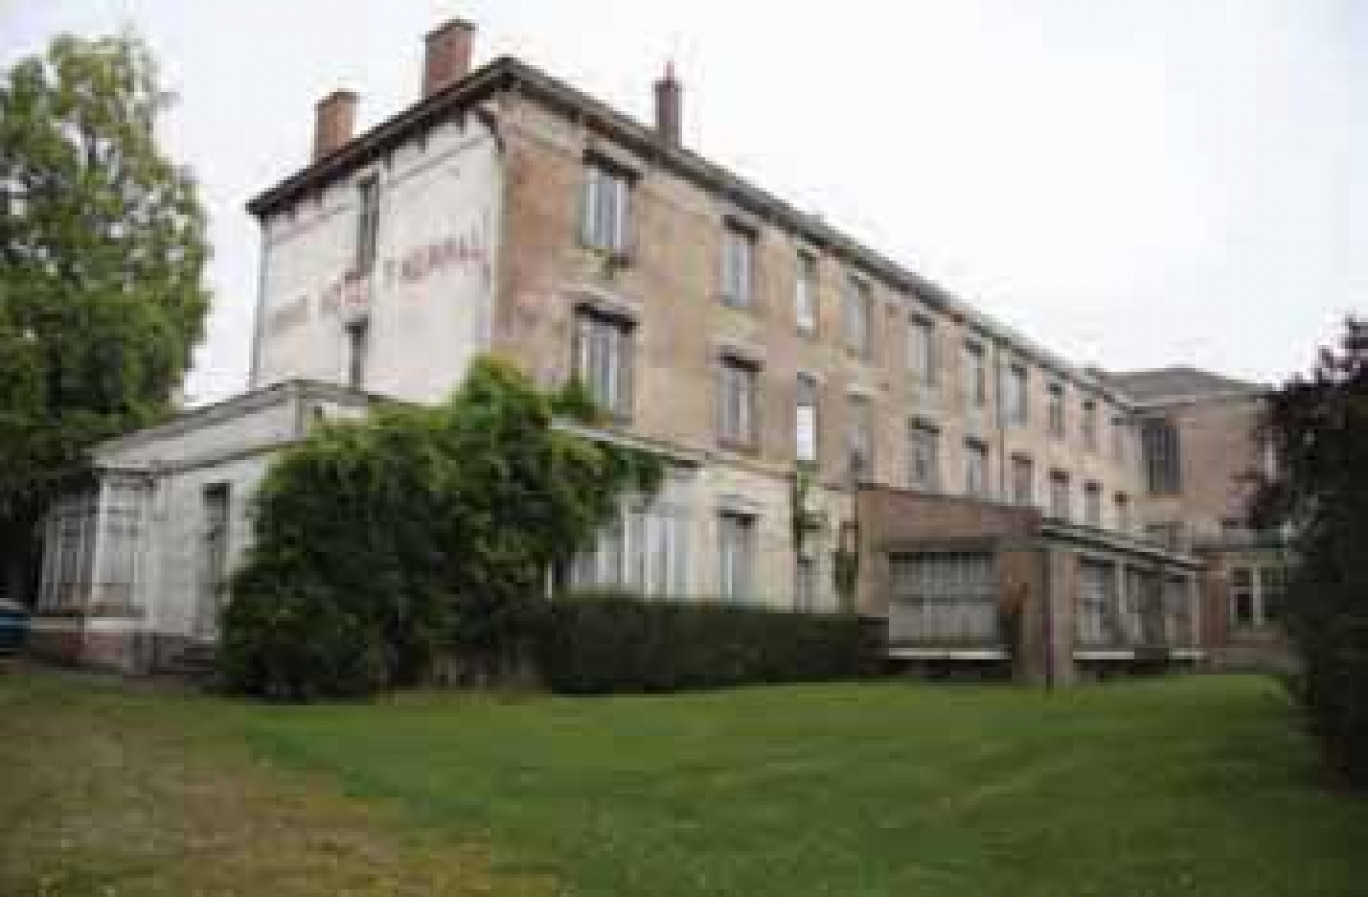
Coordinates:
column 740, row 338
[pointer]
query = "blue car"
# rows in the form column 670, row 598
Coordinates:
column 14, row 627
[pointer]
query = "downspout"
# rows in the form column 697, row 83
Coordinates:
column 1001, row 417
column 499, row 273
column 1047, row 612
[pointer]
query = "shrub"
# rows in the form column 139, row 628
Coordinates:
column 613, row 642
column 419, row 533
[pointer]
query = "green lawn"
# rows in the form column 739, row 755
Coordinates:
column 1195, row 785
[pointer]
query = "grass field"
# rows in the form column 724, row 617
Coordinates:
column 1194, row 785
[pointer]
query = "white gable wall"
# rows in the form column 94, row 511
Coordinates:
column 428, row 297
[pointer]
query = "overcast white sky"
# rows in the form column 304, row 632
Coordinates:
column 1132, row 184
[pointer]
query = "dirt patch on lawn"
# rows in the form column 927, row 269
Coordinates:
column 107, row 789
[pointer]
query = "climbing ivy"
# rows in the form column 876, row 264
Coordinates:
column 419, row 535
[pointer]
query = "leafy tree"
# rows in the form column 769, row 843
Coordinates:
column 419, row 533
column 102, row 252
column 1318, row 428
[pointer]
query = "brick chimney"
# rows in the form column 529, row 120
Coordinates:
column 667, row 113
column 446, row 56
column 334, row 118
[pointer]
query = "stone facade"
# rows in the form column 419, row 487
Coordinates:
column 1204, row 510
column 466, row 223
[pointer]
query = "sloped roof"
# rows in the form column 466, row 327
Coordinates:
column 1179, row 382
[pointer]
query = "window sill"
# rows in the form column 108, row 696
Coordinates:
column 612, row 260
column 729, row 302
column 750, row 450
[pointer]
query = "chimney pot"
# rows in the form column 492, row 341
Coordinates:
column 667, row 96
column 334, row 119
column 446, row 56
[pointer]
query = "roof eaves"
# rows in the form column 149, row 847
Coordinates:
column 381, row 137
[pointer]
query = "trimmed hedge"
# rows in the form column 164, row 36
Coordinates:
column 610, row 642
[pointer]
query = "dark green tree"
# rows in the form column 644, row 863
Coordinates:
column 102, row 252
column 1318, row 428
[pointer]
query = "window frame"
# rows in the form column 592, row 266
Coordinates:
column 591, row 326
column 861, row 434
column 367, row 224
column 745, row 373
column 1056, row 411
column 806, row 304
column 858, row 316
column 1018, row 394
column 1024, row 497
column 921, row 349
column 736, row 557
column 1092, row 503
column 599, row 174
column 1061, row 497
column 358, row 333
column 807, row 397
column 922, row 435
column 1246, row 590
column 977, row 458
column 974, row 370
column 1088, row 424
column 739, row 245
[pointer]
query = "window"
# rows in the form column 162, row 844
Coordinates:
column 1118, row 443
column 1123, row 521
column 921, row 351
column 603, row 360
column 975, row 384
column 739, row 427
column 861, row 436
column 605, row 208
column 738, row 265
column 358, row 347
column 1056, row 410
column 217, row 505
column 1023, row 480
column 1090, row 425
column 1272, row 593
column 1059, row 494
column 1160, row 448
column 1017, row 384
column 805, row 293
column 736, row 552
column 643, row 549
column 367, row 223
column 805, row 420
column 923, row 457
column 976, row 469
column 1242, row 610
column 1092, row 504
column 948, row 598
column 1099, row 602
column 858, row 311
column 805, row 584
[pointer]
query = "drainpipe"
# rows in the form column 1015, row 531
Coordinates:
column 1001, row 420
column 1047, row 613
